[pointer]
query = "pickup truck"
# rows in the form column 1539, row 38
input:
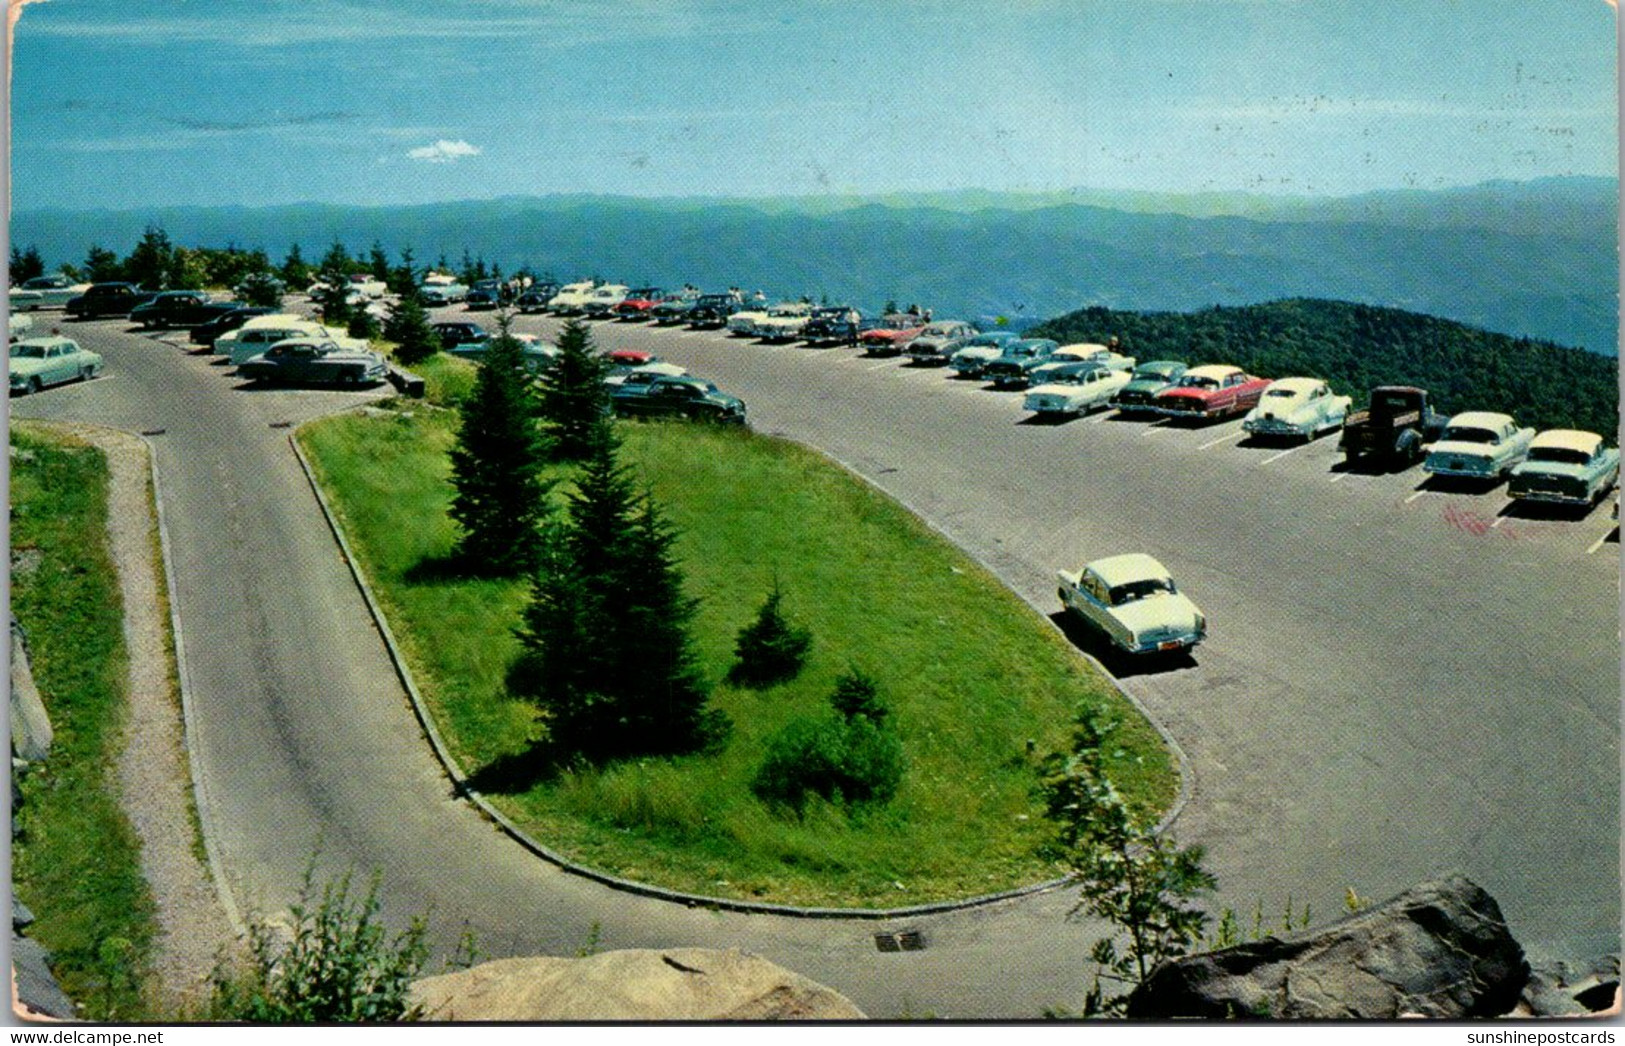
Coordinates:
column 1397, row 425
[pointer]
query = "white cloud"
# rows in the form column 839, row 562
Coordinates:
column 444, row 151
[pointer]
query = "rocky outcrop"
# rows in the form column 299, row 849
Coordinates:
column 30, row 726
column 1441, row 950
column 1571, row 989
column 676, row 984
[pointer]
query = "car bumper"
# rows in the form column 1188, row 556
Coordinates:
column 1460, row 469
column 1275, row 427
column 1163, row 644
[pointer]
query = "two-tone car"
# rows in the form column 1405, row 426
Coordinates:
column 977, row 352
column 1091, row 352
column 1566, row 467
column 742, row 324
column 441, row 293
column 570, row 298
column 892, row 335
column 1297, row 408
column 682, row 397
column 1075, row 388
column 45, row 292
column 260, row 333
column 638, row 304
column 313, row 361
column 1132, row 600
column 1149, row 379
column 938, row 341
column 1478, row 445
column 1013, row 368
column 1209, row 392
column 600, row 302
column 784, row 322
column 38, row 362
column 536, row 354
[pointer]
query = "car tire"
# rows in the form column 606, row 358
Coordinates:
column 34, row 386
column 85, row 374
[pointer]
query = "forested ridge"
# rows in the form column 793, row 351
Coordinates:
column 1356, row 347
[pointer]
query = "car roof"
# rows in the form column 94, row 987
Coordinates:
column 1131, row 566
column 1568, row 439
column 1079, row 348
column 274, row 319
column 1160, row 365
column 1296, row 384
column 1212, row 370
column 44, row 340
column 1483, row 419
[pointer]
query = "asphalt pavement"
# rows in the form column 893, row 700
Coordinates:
column 1398, row 680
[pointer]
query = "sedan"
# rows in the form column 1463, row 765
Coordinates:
column 1567, row 467
column 683, row 397
column 1149, row 380
column 175, row 309
column 38, row 362
column 1300, row 408
column 1216, row 391
column 1133, row 601
column 307, row 361
column 45, row 292
column 979, row 351
column 1076, row 388
column 459, row 332
column 1479, row 445
column 107, row 299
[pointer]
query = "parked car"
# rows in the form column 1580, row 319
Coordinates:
column 1214, row 391
column 638, row 304
column 459, row 332
column 1301, row 408
column 833, row 325
column 1478, row 444
column 1397, row 426
column 600, row 302
column 536, row 297
column 671, row 311
column 107, row 299
column 896, row 330
column 441, row 293
column 1076, row 388
column 485, row 294
column 1133, row 601
column 1090, row 352
column 18, row 324
column 618, row 374
column 174, row 309
column 939, row 340
column 45, row 292
column 537, row 354
column 639, row 380
column 261, row 285
column 256, row 336
column 570, row 298
column 684, row 397
column 1567, row 467
column 38, row 362
column 313, row 361
column 981, row 350
column 1149, row 379
column 1020, row 359
column 368, row 285
column 208, row 331
column 785, row 322
column 712, row 311
column 742, row 323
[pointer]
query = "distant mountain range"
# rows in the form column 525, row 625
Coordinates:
column 1535, row 259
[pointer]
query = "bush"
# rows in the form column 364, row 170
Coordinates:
column 857, row 695
column 363, row 324
column 770, row 649
column 856, row 758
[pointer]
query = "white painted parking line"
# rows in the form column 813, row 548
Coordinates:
column 1284, row 453
column 1098, row 418
column 1222, row 439
column 1498, row 521
column 1338, row 475
column 1416, row 495
column 1595, row 545
column 885, row 363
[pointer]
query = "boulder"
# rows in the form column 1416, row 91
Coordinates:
column 30, row 726
column 1440, row 950
column 1571, row 989
column 673, row 984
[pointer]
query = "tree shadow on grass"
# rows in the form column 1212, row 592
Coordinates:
column 518, row 772
column 441, row 569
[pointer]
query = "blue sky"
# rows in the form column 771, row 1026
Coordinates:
column 123, row 104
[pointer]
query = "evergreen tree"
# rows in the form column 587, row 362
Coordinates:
column 149, row 264
column 363, row 324
column 856, row 694
column 465, row 271
column 575, row 400
column 404, row 278
column 25, row 265
column 496, row 465
column 408, row 327
column 295, row 271
column 771, row 648
column 378, row 262
column 102, row 265
column 334, row 275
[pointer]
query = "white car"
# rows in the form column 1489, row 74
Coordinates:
column 441, row 293
column 601, row 301
column 261, row 332
column 370, row 286
column 1134, row 602
column 45, row 292
column 18, row 325
column 1478, row 444
column 1089, row 352
column 570, row 299
column 1301, row 407
column 1077, row 389
column 744, row 323
column 784, row 321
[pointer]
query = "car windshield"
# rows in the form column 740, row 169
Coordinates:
column 28, row 352
column 1393, row 403
column 1283, row 394
column 1469, row 434
column 1560, row 455
column 1137, row 590
column 1198, row 381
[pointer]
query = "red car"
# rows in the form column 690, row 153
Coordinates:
column 629, row 357
column 895, row 330
column 637, row 304
column 1214, row 391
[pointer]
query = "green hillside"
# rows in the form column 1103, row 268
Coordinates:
column 1358, row 346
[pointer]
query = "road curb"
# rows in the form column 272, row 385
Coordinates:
column 459, row 779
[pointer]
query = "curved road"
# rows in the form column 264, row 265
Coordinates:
column 1399, row 681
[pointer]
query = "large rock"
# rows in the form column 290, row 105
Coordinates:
column 1438, row 950
column 676, row 984
column 30, row 726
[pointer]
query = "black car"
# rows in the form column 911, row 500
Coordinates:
column 231, row 316
column 833, row 325
column 486, row 294
column 107, row 299
column 711, row 311
column 175, row 309
column 678, row 397
column 537, row 297
column 460, row 333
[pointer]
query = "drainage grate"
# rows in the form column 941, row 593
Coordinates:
column 902, row 941
column 153, row 432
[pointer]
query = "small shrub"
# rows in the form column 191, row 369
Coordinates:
column 771, row 648
column 857, row 695
column 855, row 759
column 364, row 324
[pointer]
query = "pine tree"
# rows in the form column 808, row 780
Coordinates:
column 102, row 265
column 25, row 265
column 575, row 400
column 295, row 271
column 378, row 262
column 149, row 263
column 771, row 648
column 334, row 275
column 496, row 465
column 403, row 279
column 408, row 327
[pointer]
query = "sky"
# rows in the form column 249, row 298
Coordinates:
column 167, row 102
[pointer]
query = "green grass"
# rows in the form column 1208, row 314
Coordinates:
column 972, row 673
column 76, row 863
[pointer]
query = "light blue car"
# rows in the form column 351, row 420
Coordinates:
column 38, row 362
column 1566, row 467
column 1478, row 445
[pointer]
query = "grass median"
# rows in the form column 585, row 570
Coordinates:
column 76, row 859
column 978, row 681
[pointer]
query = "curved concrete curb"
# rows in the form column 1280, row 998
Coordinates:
column 459, row 779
